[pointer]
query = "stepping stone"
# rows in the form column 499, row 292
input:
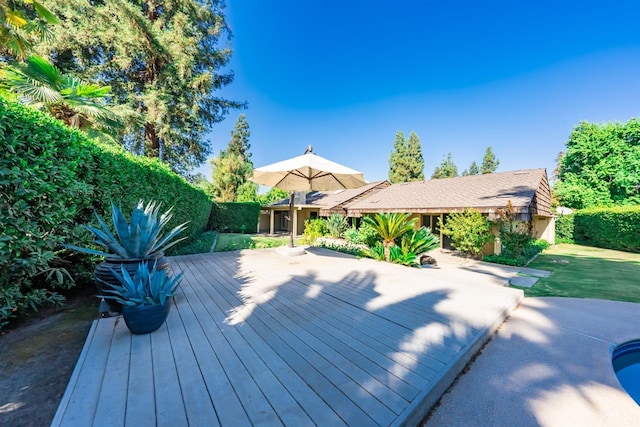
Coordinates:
column 523, row 281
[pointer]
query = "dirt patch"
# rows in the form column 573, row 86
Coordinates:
column 38, row 357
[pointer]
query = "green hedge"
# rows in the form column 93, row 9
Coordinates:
column 234, row 217
column 564, row 229
column 611, row 228
column 52, row 178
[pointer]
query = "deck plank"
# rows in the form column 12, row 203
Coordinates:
column 260, row 339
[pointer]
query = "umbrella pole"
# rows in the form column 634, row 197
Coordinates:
column 291, row 195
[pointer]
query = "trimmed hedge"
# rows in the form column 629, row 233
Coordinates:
column 52, row 178
column 234, row 217
column 611, row 228
column 564, row 229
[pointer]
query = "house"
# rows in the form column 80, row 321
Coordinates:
column 432, row 201
column 275, row 217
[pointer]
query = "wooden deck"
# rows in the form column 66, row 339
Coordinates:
column 256, row 338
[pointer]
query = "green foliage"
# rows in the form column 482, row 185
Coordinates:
column 17, row 26
column 273, row 195
column 163, row 61
column 564, row 229
column 53, row 178
column 336, row 225
column 377, row 251
column 234, row 217
column 514, row 235
column 390, row 226
column 366, row 234
column 601, row 166
column 418, row 241
column 199, row 245
column 140, row 238
column 345, row 249
column 473, row 170
column 398, row 256
column 314, row 228
column 447, row 169
column 148, row 286
column 234, row 242
column 406, row 162
column 469, row 231
column 612, row 228
column 530, row 249
column 79, row 104
column 233, row 168
column 489, row 162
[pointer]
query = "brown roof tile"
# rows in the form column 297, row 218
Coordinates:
column 483, row 192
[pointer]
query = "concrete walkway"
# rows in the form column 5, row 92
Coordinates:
column 549, row 365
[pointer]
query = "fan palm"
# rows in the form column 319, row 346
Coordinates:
column 390, row 226
column 78, row 104
column 15, row 27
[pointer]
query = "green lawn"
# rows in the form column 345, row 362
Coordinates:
column 233, row 242
column 200, row 245
column 587, row 272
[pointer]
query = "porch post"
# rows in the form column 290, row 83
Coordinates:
column 272, row 216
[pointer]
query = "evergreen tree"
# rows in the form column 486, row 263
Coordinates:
column 406, row 162
column 233, row 167
column 473, row 170
column 161, row 59
column 447, row 169
column 415, row 161
column 396, row 160
column 17, row 27
column 489, row 162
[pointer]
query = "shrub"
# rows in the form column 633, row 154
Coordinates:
column 365, row 235
column 345, row 249
column 532, row 248
column 390, row 226
column 564, row 229
column 469, row 231
column 53, row 179
column 398, row 256
column 314, row 228
column 234, row 217
column 336, row 225
column 418, row 241
column 514, row 235
column 611, row 228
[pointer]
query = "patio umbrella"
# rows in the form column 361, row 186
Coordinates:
column 306, row 173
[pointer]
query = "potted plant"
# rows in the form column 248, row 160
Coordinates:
column 132, row 243
column 145, row 297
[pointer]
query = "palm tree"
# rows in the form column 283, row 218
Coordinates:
column 390, row 226
column 15, row 27
column 43, row 86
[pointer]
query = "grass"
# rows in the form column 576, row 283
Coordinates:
column 587, row 272
column 234, row 242
column 200, row 245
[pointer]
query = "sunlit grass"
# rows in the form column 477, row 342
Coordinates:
column 588, row 272
column 234, row 242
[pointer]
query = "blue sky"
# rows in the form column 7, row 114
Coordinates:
column 345, row 76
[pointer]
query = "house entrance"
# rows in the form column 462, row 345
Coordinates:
column 433, row 222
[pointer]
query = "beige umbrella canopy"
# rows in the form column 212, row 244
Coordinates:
column 306, row 173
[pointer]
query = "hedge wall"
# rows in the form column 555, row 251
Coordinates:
column 241, row 217
column 612, row 228
column 52, row 178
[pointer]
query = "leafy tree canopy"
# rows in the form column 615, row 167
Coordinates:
column 601, row 166
column 20, row 20
column 406, row 162
column 162, row 61
column 447, row 169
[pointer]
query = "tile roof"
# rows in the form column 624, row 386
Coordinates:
column 483, row 192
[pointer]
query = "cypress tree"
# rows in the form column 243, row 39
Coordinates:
column 489, row 162
column 406, row 162
column 447, row 169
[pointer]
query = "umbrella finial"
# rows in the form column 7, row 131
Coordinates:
column 308, row 150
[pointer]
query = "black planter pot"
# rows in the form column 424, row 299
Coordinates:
column 145, row 319
column 103, row 273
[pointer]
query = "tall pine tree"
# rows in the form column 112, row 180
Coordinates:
column 162, row 61
column 473, row 170
column 233, row 167
column 406, row 162
column 489, row 162
column 447, row 169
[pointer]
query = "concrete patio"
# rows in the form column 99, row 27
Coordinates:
column 256, row 338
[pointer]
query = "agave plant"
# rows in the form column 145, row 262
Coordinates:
column 146, row 287
column 139, row 239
